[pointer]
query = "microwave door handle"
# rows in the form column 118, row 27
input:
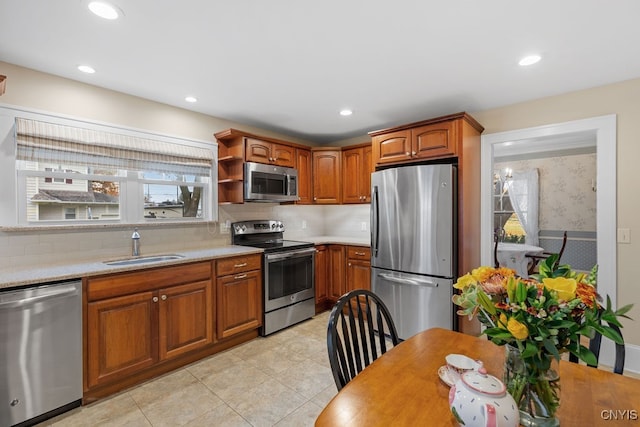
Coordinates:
column 288, row 190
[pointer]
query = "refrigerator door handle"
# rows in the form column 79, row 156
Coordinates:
column 412, row 282
column 376, row 223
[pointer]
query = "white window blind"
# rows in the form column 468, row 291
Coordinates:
column 54, row 143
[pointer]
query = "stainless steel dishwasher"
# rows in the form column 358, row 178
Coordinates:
column 40, row 352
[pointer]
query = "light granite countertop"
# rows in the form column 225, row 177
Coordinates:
column 10, row 278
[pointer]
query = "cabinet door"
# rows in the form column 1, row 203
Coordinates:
column 304, row 175
column 392, row 147
column 258, row 151
column 352, row 175
column 436, row 140
column 358, row 274
column 358, row 268
column 326, row 177
column 238, row 303
column 283, row 155
column 321, row 274
column 121, row 337
column 185, row 318
column 367, row 168
column 336, row 285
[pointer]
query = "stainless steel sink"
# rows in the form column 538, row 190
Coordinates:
column 144, row 259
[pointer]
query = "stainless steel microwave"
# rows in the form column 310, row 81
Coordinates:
column 268, row 183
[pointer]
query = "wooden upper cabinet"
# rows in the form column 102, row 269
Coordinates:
column 437, row 138
column 393, row 147
column 271, row 153
column 327, row 176
column 305, row 184
column 434, row 140
column 356, row 174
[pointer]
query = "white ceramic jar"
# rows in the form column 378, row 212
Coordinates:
column 479, row 399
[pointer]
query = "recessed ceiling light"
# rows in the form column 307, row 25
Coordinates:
column 529, row 60
column 86, row 69
column 346, row 112
column 191, row 99
column 104, row 10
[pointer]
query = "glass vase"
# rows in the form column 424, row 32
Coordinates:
column 535, row 390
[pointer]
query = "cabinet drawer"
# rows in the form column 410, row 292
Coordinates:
column 239, row 263
column 358, row 252
column 146, row 280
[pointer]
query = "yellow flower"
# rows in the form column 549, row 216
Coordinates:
column 483, row 273
column 502, row 322
column 565, row 287
column 465, row 281
column 517, row 329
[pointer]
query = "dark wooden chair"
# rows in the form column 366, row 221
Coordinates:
column 357, row 334
column 594, row 346
column 534, row 259
column 496, row 239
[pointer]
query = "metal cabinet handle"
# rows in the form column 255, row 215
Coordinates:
column 163, row 297
column 349, row 264
column 154, row 299
column 315, row 198
column 240, row 276
column 408, row 153
column 413, row 153
column 244, row 264
column 360, row 253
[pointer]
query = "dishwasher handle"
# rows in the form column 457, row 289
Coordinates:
column 19, row 300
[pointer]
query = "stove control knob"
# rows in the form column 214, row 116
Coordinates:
column 273, row 225
column 281, row 225
column 244, row 227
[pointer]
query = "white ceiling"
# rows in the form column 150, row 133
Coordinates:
column 291, row 65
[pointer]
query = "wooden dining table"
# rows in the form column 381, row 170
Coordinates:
column 402, row 387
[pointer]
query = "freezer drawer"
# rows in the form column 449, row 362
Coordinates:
column 416, row 302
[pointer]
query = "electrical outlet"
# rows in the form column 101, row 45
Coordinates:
column 304, row 224
column 624, row 235
column 363, row 226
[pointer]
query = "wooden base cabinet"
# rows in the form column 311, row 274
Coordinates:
column 358, row 268
column 123, row 338
column 136, row 320
column 321, row 278
column 185, row 318
column 138, row 325
column 238, row 295
column 336, row 270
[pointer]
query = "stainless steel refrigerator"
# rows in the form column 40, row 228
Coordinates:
column 413, row 244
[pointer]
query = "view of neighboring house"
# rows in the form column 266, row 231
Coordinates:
column 68, row 198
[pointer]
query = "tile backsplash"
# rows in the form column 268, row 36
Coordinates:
column 29, row 248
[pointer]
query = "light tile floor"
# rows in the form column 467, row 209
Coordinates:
column 281, row 380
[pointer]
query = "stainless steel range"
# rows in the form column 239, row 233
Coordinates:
column 289, row 291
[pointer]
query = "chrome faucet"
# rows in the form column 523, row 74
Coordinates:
column 135, row 240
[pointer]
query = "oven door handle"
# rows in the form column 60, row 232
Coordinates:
column 292, row 254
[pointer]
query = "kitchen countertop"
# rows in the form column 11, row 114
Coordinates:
column 15, row 278
column 11, row 278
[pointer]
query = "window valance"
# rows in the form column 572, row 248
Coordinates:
column 54, row 143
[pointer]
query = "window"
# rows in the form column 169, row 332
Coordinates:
column 97, row 173
column 516, row 205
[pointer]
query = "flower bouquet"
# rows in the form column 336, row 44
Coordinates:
column 538, row 319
